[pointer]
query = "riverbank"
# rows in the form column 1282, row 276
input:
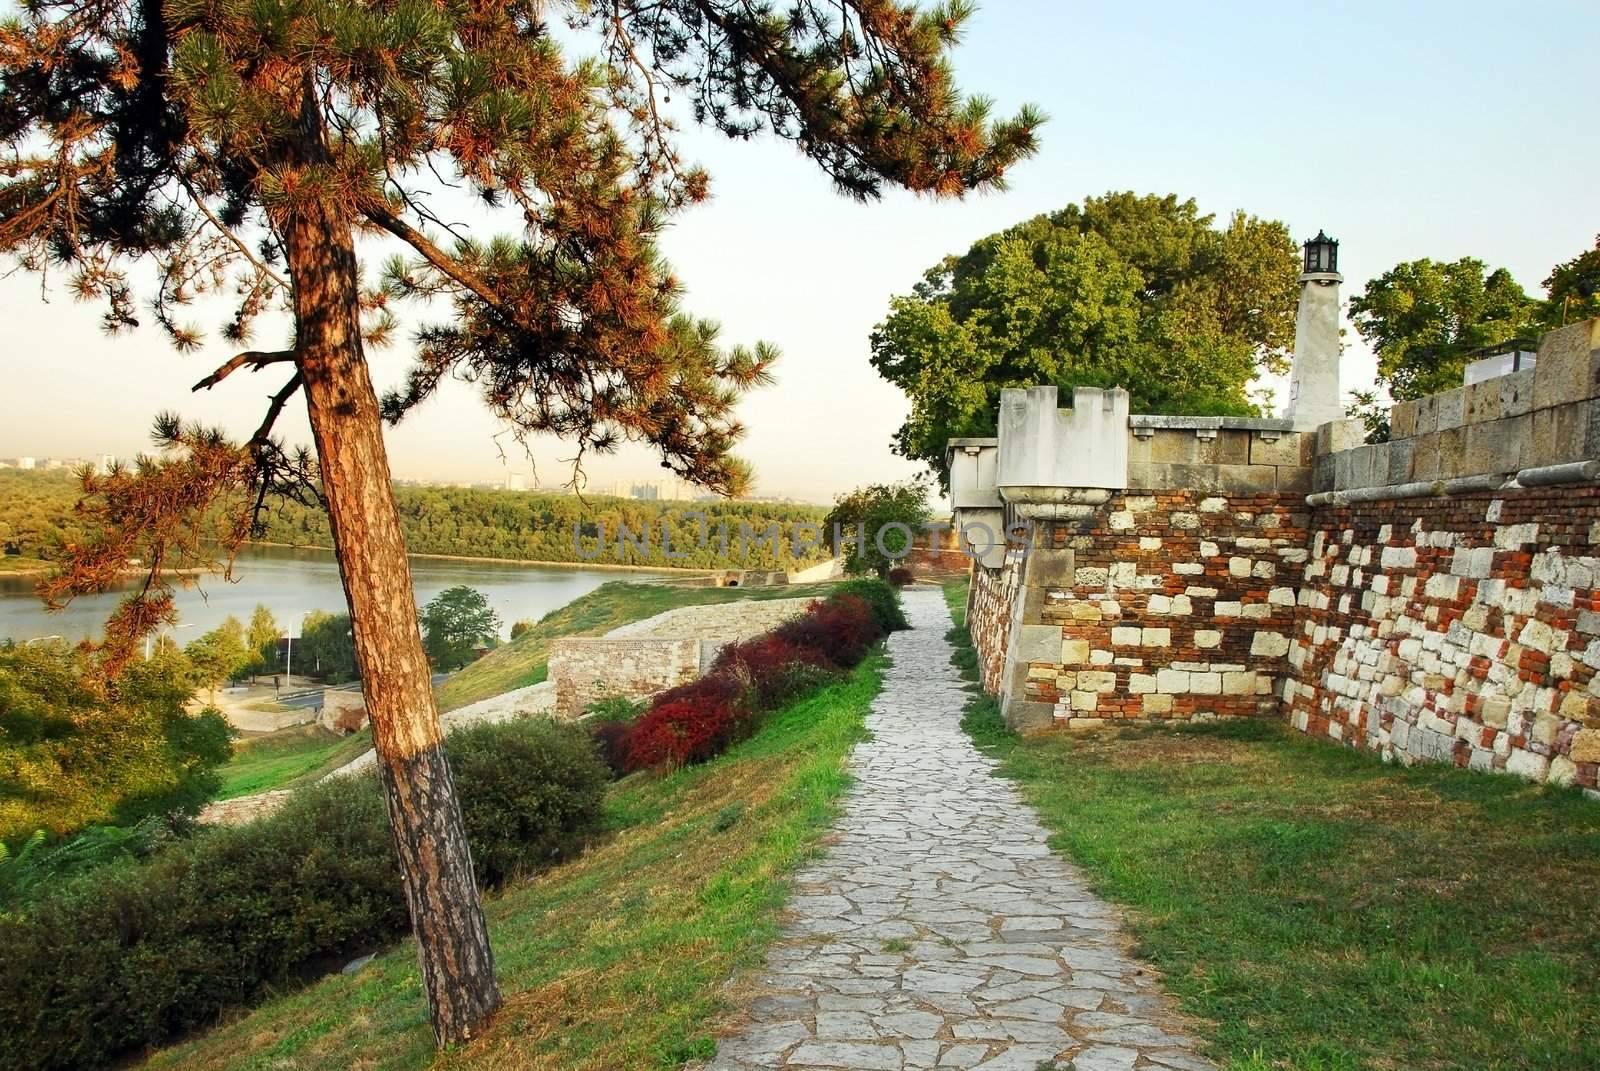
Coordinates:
column 609, row 567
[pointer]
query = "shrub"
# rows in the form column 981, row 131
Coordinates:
column 770, row 667
column 610, row 724
column 135, row 953
column 883, row 600
column 900, row 576
column 531, row 792
column 841, row 628
column 691, row 723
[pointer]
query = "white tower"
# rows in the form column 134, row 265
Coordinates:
column 1314, row 396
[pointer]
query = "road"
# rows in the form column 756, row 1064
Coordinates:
column 312, row 698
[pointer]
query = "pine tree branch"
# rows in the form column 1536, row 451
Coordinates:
column 238, row 243
column 255, row 360
column 275, row 407
column 383, row 217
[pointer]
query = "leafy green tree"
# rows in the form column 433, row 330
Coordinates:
column 878, row 525
column 237, row 149
column 519, row 627
column 456, row 621
column 326, row 647
column 1573, row 289
column 1142, row 292
column 1425, row 317
column 221, row 654
column 75, row 751
column 262, row 638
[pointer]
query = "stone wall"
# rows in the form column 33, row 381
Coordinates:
column 1461, row 629
column 1536, row 418
column 669, row 649
column 1176, row 605
column 585, row 670
column 989, row 610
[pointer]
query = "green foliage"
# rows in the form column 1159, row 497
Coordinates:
column 883, row 601
column 262, row 638
column 473, row 523
column 222, row 654
column 1140, row 292
column 1573, row 290
column 520, row 627
column 872, row 524
column 454, row 623
column 75, row 752
column 131, row 954
column 1424, row 318
column 536, row 792
column 38, row 865
column 326, row 647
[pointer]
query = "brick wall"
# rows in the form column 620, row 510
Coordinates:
column 1462, row 629
column 1173, row 605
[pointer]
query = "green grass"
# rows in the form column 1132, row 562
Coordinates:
column 14, row 563
column 287, row 758
column 616, row 960
column 521, row 662
column 1326, row 911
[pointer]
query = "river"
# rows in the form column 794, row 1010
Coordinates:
column 291, row 583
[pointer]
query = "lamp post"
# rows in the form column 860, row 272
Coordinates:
column 1314, row 389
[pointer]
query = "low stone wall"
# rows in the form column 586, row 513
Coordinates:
column 1462, row 629
column 585, row 670
column 660, row 652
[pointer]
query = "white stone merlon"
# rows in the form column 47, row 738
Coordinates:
column 1314, row 392
column 1042, row 446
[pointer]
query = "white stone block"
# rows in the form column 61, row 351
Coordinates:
column 1269, row 644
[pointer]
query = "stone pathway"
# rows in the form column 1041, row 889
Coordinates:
column 939, row 931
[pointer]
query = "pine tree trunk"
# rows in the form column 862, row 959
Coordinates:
column 424, row 814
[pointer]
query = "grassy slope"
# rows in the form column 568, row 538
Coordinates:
column 1328, row 911
column 287, row 758
column 22, row 564
column 522, row 661
column 617, row 959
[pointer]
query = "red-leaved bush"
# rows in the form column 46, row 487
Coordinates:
column 697, row 721
column 900, row 576
column 771, row 667
column 690, row 723
column 840, row 628
column 612, row 739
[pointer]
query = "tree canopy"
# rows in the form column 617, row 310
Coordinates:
column 454, row 623
column 878, row 524
column 1424, row 318
column 1142, row 292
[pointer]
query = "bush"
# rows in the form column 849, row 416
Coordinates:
column 531, row 792
column 900, row 576
column 133, row 954
column 610, row 724
column 883, row 600
column 691, row 723
column 772, row 668
column 841, row 628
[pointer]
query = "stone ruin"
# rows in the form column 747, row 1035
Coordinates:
column 1431, row 598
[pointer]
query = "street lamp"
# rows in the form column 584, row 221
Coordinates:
column 1322, row 255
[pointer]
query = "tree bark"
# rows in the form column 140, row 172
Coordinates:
column 424, row 815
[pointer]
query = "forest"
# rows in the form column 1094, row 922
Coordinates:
column 37, row 520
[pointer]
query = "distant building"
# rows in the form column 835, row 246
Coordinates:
column 25, row 463
column 516, row 481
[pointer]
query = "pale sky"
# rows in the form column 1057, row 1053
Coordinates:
column 1404, row 129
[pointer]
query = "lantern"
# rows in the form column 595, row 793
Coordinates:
column 1322, row 255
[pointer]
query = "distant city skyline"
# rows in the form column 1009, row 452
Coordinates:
column 1371, row 121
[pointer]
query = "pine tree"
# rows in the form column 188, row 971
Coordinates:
column 240, row 149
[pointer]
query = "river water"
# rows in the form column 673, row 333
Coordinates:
column 291, row 583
